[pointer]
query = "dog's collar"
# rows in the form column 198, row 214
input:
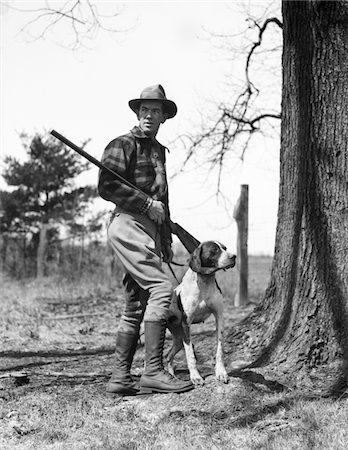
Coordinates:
column 207, row 271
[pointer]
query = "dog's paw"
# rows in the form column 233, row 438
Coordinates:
column 221, row 375
column 196, row 379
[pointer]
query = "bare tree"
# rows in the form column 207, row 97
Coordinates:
column 85, row 18
column 303, row 321
column 245, row 112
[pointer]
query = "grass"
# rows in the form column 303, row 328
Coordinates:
column 235, row 416
column 51, row 411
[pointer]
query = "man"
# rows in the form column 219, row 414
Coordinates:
column 138, row 234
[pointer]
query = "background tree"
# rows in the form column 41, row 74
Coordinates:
column 303, row 321
column 44, row 194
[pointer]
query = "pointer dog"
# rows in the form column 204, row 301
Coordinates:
column 194, row 300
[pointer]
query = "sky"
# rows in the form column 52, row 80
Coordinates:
column 84, row 94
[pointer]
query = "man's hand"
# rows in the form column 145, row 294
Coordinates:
column 156, row 212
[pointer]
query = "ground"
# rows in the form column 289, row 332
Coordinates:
column 57, row 343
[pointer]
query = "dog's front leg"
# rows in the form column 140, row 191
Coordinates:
column 190, row 356
column 177, row 334
column 220, row 370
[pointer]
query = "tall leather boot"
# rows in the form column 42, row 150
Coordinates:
column 121, row 381
column 156, row 378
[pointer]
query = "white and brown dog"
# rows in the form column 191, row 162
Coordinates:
column 195, row 299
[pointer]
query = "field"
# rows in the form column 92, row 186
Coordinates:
column 57, row 342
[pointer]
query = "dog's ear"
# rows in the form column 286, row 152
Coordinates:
column 195, row 262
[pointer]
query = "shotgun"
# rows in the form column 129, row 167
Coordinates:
column 187, row 240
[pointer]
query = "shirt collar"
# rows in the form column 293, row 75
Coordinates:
column 138, row 133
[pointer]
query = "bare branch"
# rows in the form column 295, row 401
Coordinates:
column 27, row 375
column 252, row 122
column 258, row 43
column 236, row 123
column 83, row 16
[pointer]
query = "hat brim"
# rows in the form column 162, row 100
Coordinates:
column 169, row 106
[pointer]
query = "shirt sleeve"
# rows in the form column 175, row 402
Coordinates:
column 117, row 157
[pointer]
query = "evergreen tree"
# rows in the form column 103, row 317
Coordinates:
column 45, row 193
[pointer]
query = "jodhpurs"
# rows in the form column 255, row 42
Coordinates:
column 148, row 290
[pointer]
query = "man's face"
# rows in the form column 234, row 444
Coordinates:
column 151, row 116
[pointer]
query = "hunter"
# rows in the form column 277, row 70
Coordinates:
column 138, row 233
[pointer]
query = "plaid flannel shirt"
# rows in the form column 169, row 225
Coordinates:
column 130, row 156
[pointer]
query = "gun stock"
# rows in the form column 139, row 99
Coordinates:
column 187, row 240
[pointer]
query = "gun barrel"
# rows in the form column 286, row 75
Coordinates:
column 91, row 159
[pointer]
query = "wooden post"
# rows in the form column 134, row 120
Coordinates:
column 240, row 214
column 3, row 241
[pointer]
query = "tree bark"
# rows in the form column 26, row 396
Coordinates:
column 303, row 320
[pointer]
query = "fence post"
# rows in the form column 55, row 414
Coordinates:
column 3, row 241
column 241, row 216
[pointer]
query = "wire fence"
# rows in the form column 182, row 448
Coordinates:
column 89, row 255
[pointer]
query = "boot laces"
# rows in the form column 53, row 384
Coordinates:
column 168, row 374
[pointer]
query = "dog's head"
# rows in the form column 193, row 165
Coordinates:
column 211, row 256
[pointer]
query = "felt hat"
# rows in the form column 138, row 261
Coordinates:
column 157, row 93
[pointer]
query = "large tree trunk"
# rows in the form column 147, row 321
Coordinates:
column 303, row 320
